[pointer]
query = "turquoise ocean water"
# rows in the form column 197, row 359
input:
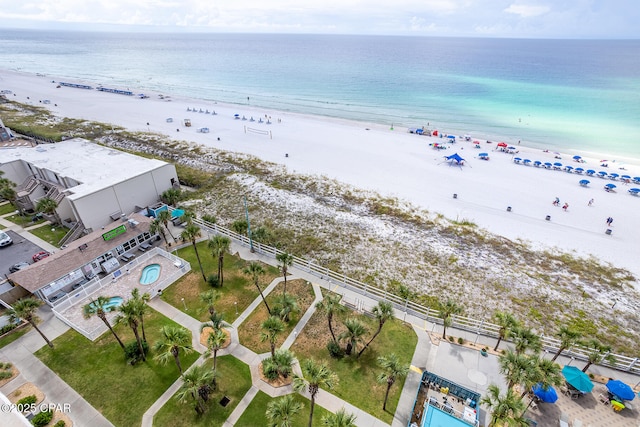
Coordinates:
column 565, row 95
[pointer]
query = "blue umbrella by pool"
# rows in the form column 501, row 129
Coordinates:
column 548, row 395
column 584, row 182
column 620, row 389
column 577, row 379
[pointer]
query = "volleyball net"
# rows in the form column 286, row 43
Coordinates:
column 258, row 131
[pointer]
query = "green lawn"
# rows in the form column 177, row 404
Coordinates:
column 237, row 288
column 23, row 220
column 254, row 416
column 14, row 335
column 234, row 382
column 99, row 373
column 7, row 208
column 360, row 374
column 52, row 237
column 249, row 331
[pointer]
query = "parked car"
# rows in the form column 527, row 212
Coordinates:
column 5, row 240
column 40, row 256
column 18, row 266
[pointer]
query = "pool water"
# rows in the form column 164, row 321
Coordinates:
column 150, row 274
column 113, row 303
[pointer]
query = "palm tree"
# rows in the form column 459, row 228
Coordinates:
column 164, row 217
column 130, row 315
column 25, row 309
column 219, row 245
column 315, row 375
column 598, row 352
column 98, row 308
column 142, row 307
column 547, row 373
column 156, row 227
column 353, row 335
column 393, row 369
column 285, row 261
column 505, row 409
column 192, row 233
column 330, row 306
column 568, row 338
column 280, row 412
column 215, row 322
column 383, row 311
column 48, row 206
column 515, row 367
column 255, row 270
column 209, row 298
column 215, row 341
column 339, row 419
column 285, row 305
column 507, row 323
column 198, row 383
column 445, row 311
column 174, row 339
column 525, row 339
column 272, row 327
column 171, row 196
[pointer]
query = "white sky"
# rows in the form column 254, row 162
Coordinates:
column 487, row 18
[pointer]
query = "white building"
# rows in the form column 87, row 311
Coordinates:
column 92, row 184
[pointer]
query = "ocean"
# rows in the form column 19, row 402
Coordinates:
column 563, row 95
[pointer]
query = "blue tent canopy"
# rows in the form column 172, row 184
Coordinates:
column 454, row 158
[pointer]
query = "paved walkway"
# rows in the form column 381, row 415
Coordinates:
column 457, row 363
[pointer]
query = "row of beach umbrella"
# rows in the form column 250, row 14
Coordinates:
column 570, row 169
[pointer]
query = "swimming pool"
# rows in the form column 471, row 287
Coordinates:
column 114, row 302
column 437, row 418
column 150, row 274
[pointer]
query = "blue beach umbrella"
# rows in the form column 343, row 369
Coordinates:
column 620, row 389
column 579, row 170
column 636, row 178
column 603, row 174
column 590, row 171
column 517, row 159
column 610, row 186
column 483, row 155
column 613, row 175
column 634, row 191
column 548, row 164
column 526, row 161
column 537, row 163
column 568, row 168
column 557, row 164
column 625, row 177
column 577, row 157
column 548, row 395
column 584, row 182
column 577, row 379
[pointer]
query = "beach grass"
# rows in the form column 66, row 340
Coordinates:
column 234, row 382
column 254, row 415
column 236, row 293
column 99, row 372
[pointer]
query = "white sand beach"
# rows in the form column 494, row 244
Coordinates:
column 391, row 162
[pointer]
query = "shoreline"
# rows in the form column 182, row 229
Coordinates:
column 392, row 163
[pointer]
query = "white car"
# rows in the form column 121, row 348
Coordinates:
column 5, row 240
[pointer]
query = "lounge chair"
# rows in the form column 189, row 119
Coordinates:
column 564, row 420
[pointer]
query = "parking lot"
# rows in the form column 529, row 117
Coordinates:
column 20, row 251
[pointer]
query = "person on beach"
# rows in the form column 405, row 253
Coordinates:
column 556, row 202
column 565, row 206
column 590, row 202
column 609, row 221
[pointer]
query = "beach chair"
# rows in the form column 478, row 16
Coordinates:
column 564, row 420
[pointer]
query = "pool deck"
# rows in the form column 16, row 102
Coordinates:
column 122, row 287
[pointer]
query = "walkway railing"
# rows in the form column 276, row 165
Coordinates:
column 480, row 327
column 80, row 295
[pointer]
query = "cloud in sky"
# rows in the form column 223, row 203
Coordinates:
column 497, row 18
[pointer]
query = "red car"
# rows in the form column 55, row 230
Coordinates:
column 40, row 256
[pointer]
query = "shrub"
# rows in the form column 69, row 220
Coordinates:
column 7, row 328
column 270, row 369
column 451, row 338
column 460, row 340
column 5, row 374
column 335, row 350
column 59, row 424
column 42, row 418
column 209, row 218
column 27, row 400
column 132, row 351
column 213, row 280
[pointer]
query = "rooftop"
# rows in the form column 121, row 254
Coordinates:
column 62, row 262
column 100, row 166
